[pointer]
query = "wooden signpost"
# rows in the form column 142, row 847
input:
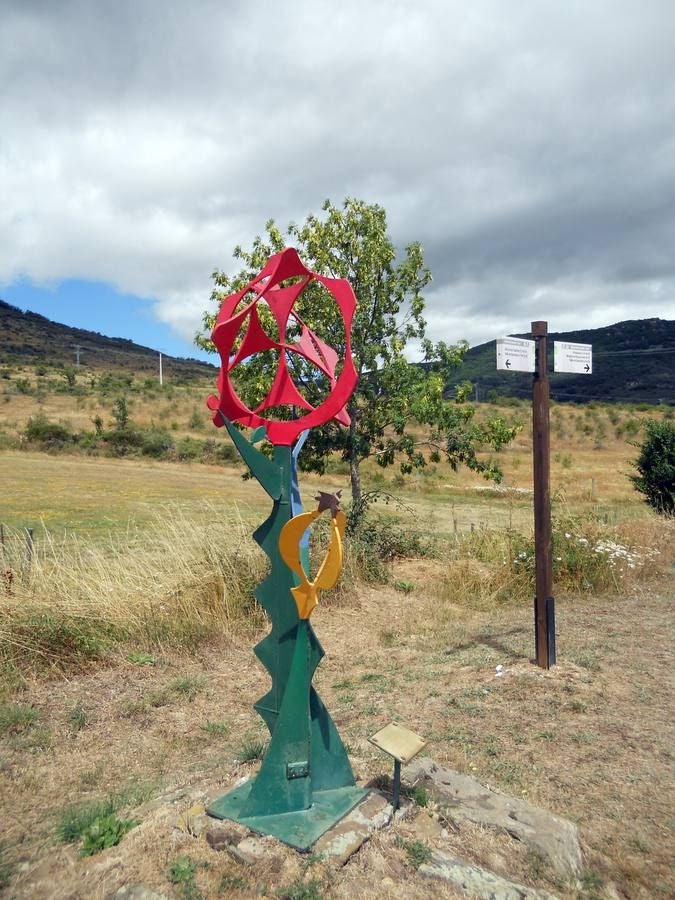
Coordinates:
column 544, row 604
column 523, row 355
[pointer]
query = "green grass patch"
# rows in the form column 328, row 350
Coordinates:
column 103, row 832
column 93, row 822
column 188, row 686
column 301, row 890
column 229, row 883
column 75, row 820
column 77, row 718
column 251, row 750
column 182, row 873
column 16, row 718
column 419, row 795
column 217, row 729
column 41, row 640
column 142, row 659
column 417, row 852
column 6, row 868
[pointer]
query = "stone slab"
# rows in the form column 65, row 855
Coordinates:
column 137, row 892
column 340, row 842
column 477, row 882
column 556, row 839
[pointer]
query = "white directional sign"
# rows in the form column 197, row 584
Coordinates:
column 515, row 354
column 577, row 358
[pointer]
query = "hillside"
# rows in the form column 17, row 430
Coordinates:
column 27, row 338
column 633, row 361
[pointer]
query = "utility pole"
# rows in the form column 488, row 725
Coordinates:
column 161, row 375
column 77, row 348
column 544, row 604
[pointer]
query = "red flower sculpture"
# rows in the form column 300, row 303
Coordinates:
column 281, row 300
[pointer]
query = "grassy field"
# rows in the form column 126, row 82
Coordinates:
column 99, row 496
column 157, row 734
column 128, row 677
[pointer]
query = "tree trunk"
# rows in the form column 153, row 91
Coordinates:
column 354, row 461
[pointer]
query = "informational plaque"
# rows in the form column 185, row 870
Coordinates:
column 399, row 742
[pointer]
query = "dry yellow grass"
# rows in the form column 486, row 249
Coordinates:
column 86, row 494
column 176, row 581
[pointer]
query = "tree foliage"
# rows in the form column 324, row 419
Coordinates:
column 393, row 395
column 656, row 467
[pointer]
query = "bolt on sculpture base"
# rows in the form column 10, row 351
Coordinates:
column 305, row 784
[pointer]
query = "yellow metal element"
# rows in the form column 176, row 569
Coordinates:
column 306, row 594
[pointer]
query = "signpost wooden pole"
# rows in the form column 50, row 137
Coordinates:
column 544, row 604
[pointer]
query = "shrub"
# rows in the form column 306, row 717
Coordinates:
column 156, row 443
column 50, row 435
column 124, row 441
column 69, row 375
column 120, row 413
column 656, row 467
column 195, row 421
column 23, row 386
column 189, row 449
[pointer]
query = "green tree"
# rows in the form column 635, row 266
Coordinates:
column 656, row 466
column 393, row 394
column 120, row 413
column 69, row 375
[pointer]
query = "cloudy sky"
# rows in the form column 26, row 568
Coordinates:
column 528, row 144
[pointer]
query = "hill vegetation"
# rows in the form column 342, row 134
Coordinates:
column 633, row 362
column 27, row 338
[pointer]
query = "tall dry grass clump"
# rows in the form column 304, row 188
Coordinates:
column 176, row 581
column 491, row 567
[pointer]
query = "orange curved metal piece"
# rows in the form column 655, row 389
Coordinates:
column 306, row 594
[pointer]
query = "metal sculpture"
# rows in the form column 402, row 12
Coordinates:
column 305, row 783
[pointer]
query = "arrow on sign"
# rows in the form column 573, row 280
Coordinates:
column 515, row 354
column 587, row 367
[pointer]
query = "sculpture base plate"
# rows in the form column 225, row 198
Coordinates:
column 297, row 829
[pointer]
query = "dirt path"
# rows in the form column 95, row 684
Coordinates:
column 590, row 740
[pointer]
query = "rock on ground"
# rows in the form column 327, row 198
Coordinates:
column 477, row 882
column 556, row 839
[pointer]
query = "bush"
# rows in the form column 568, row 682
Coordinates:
column 50, row 435
column 374, row 541
column 189, row 449
column 656, row 465
column 156, row 443
column 123, row 441
column 23, row 386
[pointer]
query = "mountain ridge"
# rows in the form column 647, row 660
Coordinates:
column 633, row 360
column 27, row 337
